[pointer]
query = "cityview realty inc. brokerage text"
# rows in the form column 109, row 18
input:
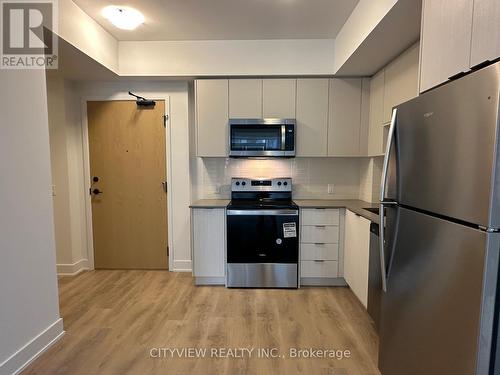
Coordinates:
column 248, row 352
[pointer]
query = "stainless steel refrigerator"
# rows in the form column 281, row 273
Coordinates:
column 440, row 243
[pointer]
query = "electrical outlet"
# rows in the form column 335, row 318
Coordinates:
column 218, row 189
column 331, row 189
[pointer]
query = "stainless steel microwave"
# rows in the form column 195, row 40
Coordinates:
column 269, row 137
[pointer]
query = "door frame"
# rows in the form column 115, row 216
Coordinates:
column 87, row 177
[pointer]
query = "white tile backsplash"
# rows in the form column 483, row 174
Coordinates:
column 311, row 176
column 369, row 179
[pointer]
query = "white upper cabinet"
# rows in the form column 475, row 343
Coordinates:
column 312, row 117
column 278, row 98
column 211, row 117
column 245, row 98
column 375, row 133
column 446, row 40
column 344, row 124
column 485, row 31
column 332, row 114
column 401, row 80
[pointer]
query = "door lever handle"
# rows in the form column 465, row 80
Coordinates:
column 96, row 191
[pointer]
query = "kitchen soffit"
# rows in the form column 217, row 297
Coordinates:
column 228, row 19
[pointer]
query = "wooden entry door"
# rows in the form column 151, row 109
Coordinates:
column 129, row 209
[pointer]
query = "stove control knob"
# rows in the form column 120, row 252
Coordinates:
column 243, row 183
column 279, row 241
column 237, row 183
column 285, row 183
column 279, row 183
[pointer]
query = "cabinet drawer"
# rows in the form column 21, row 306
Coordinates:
column 319, row 251
column 326, row 268
column 319, row 233
column 320, row 216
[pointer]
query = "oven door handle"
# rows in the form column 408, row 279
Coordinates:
column 283, row 212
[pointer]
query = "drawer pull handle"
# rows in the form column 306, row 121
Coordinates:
column 320, row 226
column 319, row 243
column 319, row 261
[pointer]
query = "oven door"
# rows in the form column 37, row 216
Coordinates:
column 262, row 236
column 261, row 137
column 262, row 248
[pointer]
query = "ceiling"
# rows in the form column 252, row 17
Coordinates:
column 228, row 19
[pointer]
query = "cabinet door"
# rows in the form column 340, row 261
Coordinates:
column 485, row 31
column 245, row 98
column 211, row 117
column 344, row 117
column 356, row 255
column 278, row 98
column 401, row 80
column 208, row 242
column 446, row 38
column 375, row 136
column 312, row 117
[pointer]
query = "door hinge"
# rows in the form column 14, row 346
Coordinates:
column 165, row 119
column 164, row 183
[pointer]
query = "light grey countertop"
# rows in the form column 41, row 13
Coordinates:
column 355, row 205
column 210, row 203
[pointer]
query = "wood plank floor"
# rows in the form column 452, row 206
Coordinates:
column 114, row 318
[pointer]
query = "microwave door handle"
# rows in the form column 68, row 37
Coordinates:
column 283, row 137
column 383, row 186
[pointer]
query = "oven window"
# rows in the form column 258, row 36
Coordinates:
column 256, row 138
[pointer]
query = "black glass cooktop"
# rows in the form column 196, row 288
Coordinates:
column 242, row 204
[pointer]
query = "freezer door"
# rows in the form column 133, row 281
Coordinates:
column 437, row 314
column 446, row 150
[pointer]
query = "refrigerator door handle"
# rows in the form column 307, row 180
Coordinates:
column 383, row 186
column 388, row 148
column 381, row 230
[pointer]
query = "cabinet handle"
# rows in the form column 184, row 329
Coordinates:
column 320, row 226
column 319, row 243
column 319, row 261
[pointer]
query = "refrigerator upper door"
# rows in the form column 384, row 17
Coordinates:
column 438, row 312
column 447, row 156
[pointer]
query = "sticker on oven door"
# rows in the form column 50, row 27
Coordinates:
column 289, row 230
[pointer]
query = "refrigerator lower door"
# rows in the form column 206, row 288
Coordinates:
column 437, row 314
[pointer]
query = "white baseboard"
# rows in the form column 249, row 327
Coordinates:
column 72, row 269
column 181, row 266
column 210, row 280
column 33, row 349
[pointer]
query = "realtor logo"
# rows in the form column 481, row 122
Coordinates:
column 29, row 39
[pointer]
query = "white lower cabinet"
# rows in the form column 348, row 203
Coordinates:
column 209, row 249
column 320, row 238
column 319, row 268
column 357, row 254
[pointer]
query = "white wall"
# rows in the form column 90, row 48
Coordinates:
column 226, row 57
column 64, row 111
column 363, row 19
column 29, row 311
column 179, row 187
column 77, row 28
column 311, row 176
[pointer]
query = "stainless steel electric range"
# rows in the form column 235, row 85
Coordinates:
column 262, row 234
